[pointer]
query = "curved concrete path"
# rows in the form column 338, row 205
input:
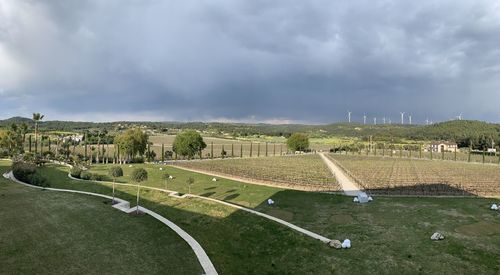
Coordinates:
column 175, row 194
column 124, row 206
column 349, row 187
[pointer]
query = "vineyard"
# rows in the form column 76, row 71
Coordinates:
column 305, row 171
column 402, row 176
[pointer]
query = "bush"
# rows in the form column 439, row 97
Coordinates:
column 96, row 177
column 75, row 172
column 137, row 160
column 27, row 172
column 85, row 175
column 23, row 171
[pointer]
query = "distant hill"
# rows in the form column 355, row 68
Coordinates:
column 457, row 130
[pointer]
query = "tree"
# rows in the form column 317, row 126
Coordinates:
column 132, row 143
column 37, row 117
column 139, row 175
column 115, row 172
column 190, row 181
column 298, row 142
column 188, row 144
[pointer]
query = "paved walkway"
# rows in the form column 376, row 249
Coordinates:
column 349, row 187
column 175, row 194
column 124, row 206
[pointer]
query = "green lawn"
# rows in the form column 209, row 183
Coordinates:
column 45, row 232
column 389, row 235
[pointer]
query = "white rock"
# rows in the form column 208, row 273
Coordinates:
column 214, row 179
column 494, row 207
column 161, row 168
column 270, row 202
column 346, row 243
column 170, row 177
column 355, row 199
column 437, row 236
column 370, row 198
column 130, row 165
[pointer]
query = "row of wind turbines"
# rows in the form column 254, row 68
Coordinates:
column 388, row 120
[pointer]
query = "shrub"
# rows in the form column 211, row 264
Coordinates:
column 96, row 177
column 85, row 175
column 137, row 160
column 23, row 171
column 75, row 172
column 27, row 172
column 38, row 180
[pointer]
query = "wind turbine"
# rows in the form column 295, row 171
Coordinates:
column 402, row 117
column 409, row 118
column 383, row 119
column 427, row 121
column 375, row 121
column 364, row 119
column 349, row 116
column 460, row 116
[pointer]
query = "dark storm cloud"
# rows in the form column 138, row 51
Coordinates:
column 307, row 61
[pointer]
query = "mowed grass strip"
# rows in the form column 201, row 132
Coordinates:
column 307, row 171
column 46, row 232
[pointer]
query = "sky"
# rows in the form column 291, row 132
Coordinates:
column 280, row 61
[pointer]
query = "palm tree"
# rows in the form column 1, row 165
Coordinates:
column 37, row 117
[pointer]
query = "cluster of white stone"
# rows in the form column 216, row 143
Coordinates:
column 494, row 207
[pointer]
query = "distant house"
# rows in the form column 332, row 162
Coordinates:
column 443, row 146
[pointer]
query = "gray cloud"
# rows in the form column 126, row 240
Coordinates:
column 306, row 61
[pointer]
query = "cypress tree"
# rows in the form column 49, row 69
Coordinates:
column 274, row 149
column 222, row 152
column 29, row 143
column 281, row 149
column 232, row 150
column 162, row 152
column 258, row 149
column 455, row 155
column 251, row 149
column 468, row 156
column 49, row 145
column 241, row 150
column 266, row 149
column 212, row 150
column 420, row 151
column 149, row 152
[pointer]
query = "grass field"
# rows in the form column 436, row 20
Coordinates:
column 389, row 235
column 421, row 177
column 307, row 171
column 45, row 232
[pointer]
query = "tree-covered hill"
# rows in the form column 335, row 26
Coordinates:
column 461, row 131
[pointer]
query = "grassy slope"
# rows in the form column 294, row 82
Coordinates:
column 390, row 235
column 45, row 232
